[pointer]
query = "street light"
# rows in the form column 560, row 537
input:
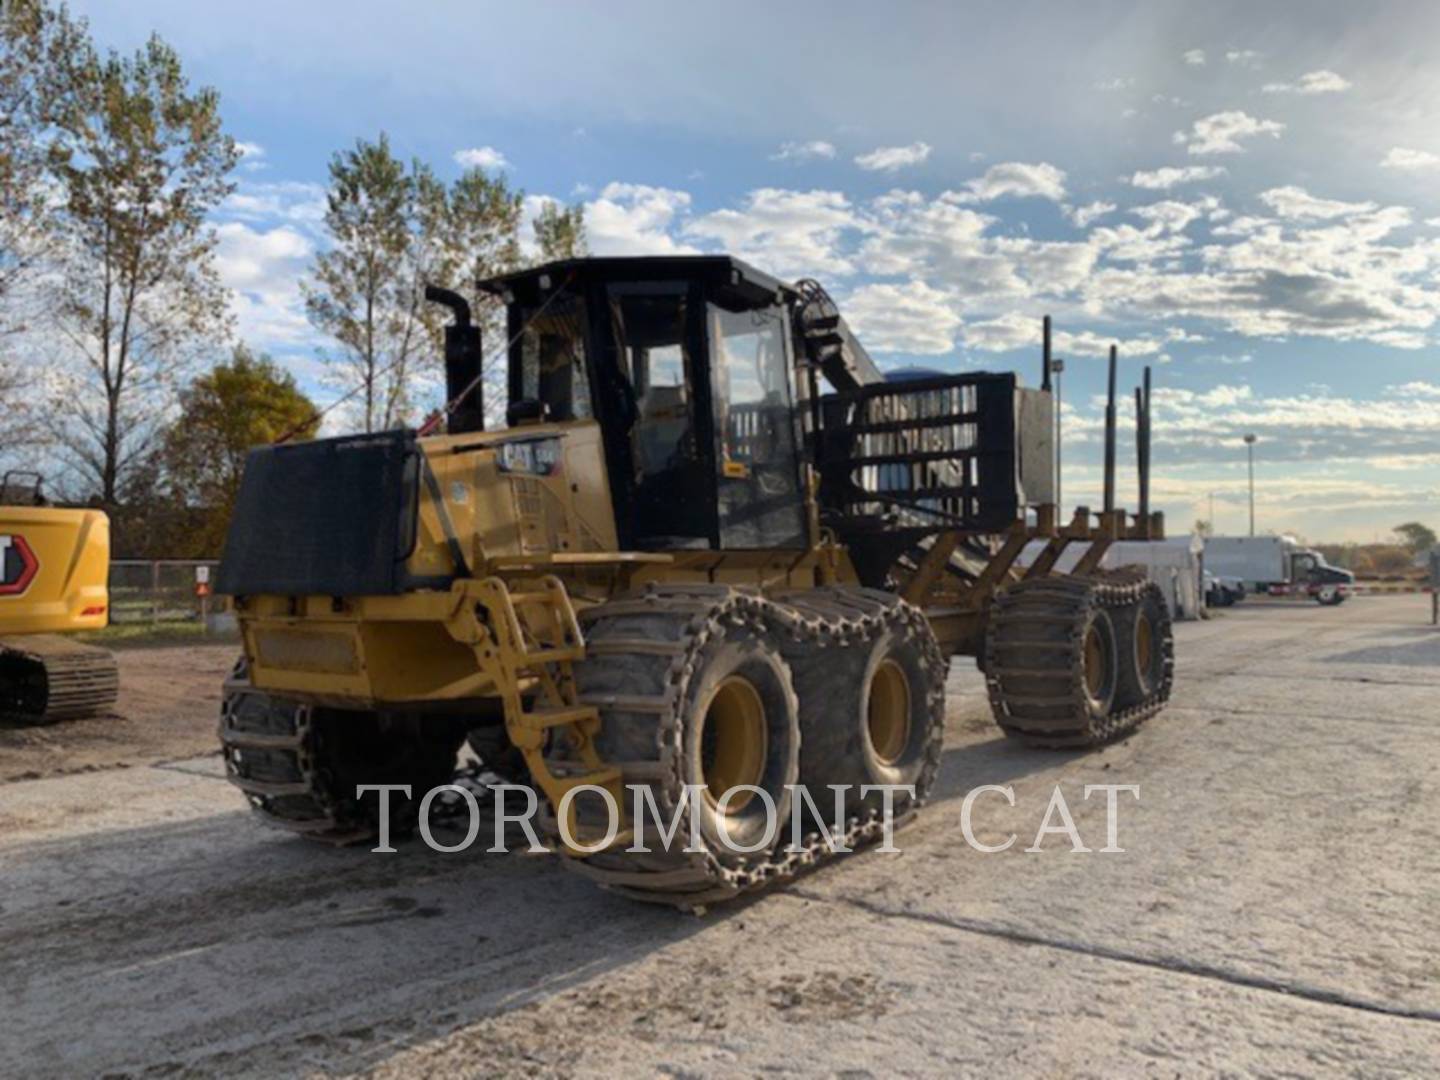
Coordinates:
column 1057, row 367
column 1250, row 450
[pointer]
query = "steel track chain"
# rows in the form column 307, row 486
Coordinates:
column 1108, row 589
column 819, row 619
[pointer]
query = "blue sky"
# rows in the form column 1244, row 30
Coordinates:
column 1244, row 196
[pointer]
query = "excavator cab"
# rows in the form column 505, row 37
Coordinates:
column 687, row 365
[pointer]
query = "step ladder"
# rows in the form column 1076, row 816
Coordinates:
column 531, row 640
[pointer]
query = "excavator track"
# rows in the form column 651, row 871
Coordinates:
column 1035, row 658
column 46, row 678
column 644, row 654
column 298, row 765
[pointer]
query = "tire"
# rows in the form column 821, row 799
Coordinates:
column 744, row 729
column 1145, row 640
column 1052, row 663
column 689, row 682
column 872, row 702
column 299, row 765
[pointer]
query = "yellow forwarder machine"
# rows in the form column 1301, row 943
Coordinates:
column 54, row 563
column 712, row 547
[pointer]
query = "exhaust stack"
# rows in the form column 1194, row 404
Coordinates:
column 464, row 391
column 1110, row 435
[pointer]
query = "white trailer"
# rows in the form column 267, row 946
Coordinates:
column 1173, row 564
column 1277, row 565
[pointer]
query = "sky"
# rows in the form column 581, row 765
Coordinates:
column 1244, row 196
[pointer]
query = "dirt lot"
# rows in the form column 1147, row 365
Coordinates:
column 1276, row 908
column 168, row 708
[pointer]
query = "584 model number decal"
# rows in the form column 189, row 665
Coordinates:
column 18, row 565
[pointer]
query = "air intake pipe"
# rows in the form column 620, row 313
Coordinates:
column 464, row 361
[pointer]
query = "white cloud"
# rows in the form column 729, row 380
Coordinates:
column 1017, row 179
column 252, row 156
column 263, row 269
column 1117, row 83
column 1169, row 176
column 1244, row 57
column 1016, row 331
column 804, row 151
column 1221, row 132
column 1082, row 216
column 292, row 201
column 1296, row 202
column 893, row 158
column 481, row 157
column 1312, row 82
column 1403, row 158
column 635, row 219
column 789, row 233
column 1195, row 57
column 1415, row 389
column 909, row 318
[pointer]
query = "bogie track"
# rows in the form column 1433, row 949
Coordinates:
column 653, row 659
column 1062, row 658
column 299, row 764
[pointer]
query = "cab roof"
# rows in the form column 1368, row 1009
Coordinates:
column 744, row 284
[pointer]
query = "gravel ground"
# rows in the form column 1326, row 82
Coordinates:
column 169, row 699
column 1276, row 910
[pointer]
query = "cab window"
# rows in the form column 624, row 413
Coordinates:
column 759, row 470
column 552, row 362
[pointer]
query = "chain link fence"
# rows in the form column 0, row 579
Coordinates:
column 151, row 592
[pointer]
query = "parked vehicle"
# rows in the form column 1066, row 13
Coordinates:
column 1277, row 566
column 1223, row 590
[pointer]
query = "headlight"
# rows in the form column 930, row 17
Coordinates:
column 536, row 457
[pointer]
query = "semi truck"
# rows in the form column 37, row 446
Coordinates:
column 1277, row 566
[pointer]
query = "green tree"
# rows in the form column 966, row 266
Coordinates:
column 385, row 224
column 33, row 42
column 140, row 159
column 1415, row 536
column 34, row 39
column 224, row 414
column 560, row 231
column 394, row 229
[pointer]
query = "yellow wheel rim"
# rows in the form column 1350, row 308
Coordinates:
column 1094, row 662
column 733, row 742
column 888, row 712
column 1144, row 643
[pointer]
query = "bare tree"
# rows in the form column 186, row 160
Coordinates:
column 140, row 160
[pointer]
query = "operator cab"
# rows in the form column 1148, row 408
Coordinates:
column 686, row 364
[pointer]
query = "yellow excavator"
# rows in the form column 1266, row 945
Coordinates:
column 715, row 557
column 54, row 565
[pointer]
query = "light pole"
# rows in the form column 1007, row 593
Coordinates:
column 1057, row 367
column 1250, row 450
column 1212, row 513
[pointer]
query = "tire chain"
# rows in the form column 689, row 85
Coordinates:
column 800, row 623
column 1107, row 589
column 244, row 733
